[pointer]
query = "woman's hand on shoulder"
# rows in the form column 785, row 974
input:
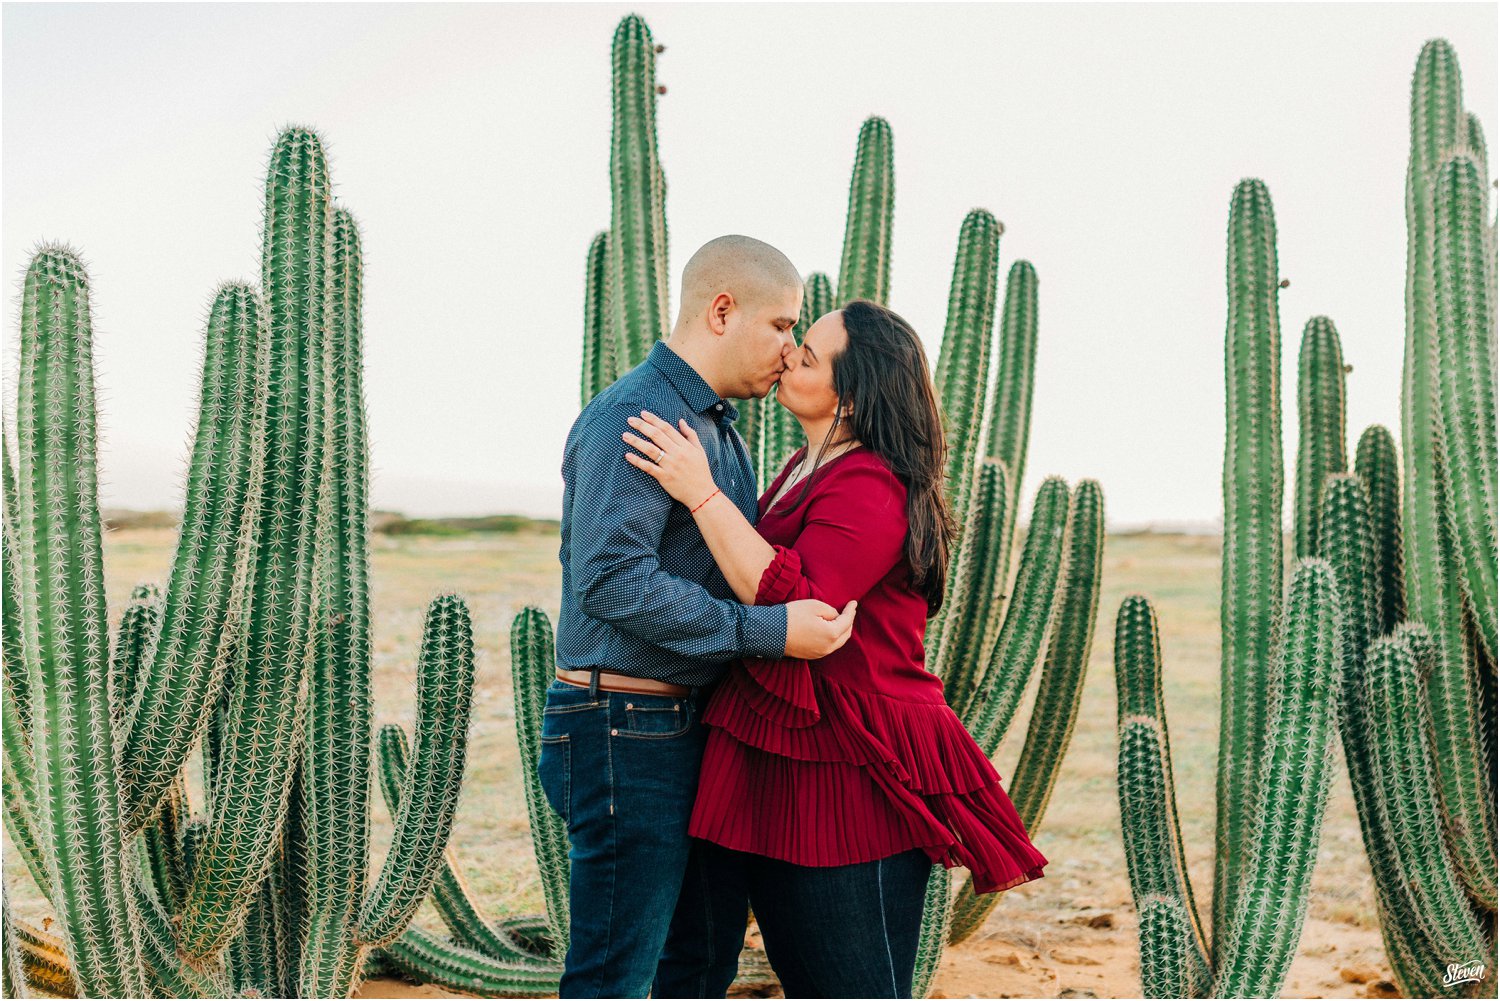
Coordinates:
column 674, row 456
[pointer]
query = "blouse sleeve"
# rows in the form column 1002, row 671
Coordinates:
column 854, row 533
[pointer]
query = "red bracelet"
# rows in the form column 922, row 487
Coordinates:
column 705, row 500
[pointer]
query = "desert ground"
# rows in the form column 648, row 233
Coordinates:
column 1071, row 934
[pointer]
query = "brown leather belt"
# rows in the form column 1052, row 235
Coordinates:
column 611, row 682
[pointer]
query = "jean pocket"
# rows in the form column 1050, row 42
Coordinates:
column 554, row 767
column 565, row 698
column 656, row 716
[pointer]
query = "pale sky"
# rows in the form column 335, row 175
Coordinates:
column 472, row 143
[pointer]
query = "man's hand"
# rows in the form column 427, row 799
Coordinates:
column 814, row 629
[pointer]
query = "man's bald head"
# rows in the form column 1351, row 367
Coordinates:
column 750, row 270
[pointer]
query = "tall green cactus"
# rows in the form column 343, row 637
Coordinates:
column 865, row 267
column 78, row 805
column 598, row 346
column 1379, row 469
column 269, row 580
column 1435, row 577
column 637, row 244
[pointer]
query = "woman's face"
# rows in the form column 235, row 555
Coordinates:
column 806, row 387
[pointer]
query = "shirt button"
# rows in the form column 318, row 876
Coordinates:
column 614, row 733
column 718, row 406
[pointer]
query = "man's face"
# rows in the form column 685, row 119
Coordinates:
column 762, row 341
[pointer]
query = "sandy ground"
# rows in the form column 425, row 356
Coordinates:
column 1071, row 934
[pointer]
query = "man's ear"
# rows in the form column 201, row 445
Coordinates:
column 719, row 309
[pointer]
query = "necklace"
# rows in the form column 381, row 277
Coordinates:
column 796, row 476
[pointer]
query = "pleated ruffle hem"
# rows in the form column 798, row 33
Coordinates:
column 803, row 769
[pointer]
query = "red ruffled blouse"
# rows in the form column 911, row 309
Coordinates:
column 857, row 756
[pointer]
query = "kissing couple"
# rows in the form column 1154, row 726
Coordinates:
column 742, row 718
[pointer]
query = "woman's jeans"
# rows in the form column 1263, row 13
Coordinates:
column 622, row 771
column 846, row 931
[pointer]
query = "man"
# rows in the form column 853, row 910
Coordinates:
column 648, row 624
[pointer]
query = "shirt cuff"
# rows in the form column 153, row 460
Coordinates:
column 762, row 630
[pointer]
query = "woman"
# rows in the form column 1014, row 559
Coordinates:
column 830, row 788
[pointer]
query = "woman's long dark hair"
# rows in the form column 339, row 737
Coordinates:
column 883, row 383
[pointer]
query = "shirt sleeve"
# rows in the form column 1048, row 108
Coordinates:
column 854, row 533
column 618, row 516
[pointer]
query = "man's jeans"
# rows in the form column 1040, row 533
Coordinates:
column 622, row 771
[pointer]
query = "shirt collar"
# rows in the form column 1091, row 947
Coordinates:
column 689, row 384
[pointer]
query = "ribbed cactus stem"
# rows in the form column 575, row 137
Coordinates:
column 1295, row 774
column 167, row 712
column 865, row 267
column 1433, row 569
column 1379, row 469
column 1398, row 668
column 335, row 783
column 79, row 809
column 138, row 626
column 1149, row 818
column 431, row 960
column 1466, row 381
column 637, row 238
column 974, row 600
column 13, row 974
column 1059, row 693
column 429, row 798
column 451, row 896
column 1010, row 416
column 598, row 347
column 1320, row 425
column 258, row 749
column 964, row 362
column 1251, row 589
column 533, row 663
column 1008, row 664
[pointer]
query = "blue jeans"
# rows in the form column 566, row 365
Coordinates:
column 622, row 771
column 844, row 931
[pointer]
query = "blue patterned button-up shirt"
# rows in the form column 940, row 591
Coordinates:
column 641, row 593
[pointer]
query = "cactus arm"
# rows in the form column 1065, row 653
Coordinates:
column 865, row 267
column 1379, row 470
column 430, row 960
column 12, row 652
column 429, row 797
column 973, row 598
column 1010, row 412
column 1398, row 667
column 14, row 973
column 532, row 663
column 167, row 708
column 17, row 770
column 598, row 346
column 334, row 815
column 61, row 561
column 1295, row 775
column 1172, row 961
column 1433, row 592
column 1008, row 663
column 1320, row 425
column 637, row 236
column 1251, row 588
column 1149, row 818
column 963, row 367
column 133, row 637
column 450, row 893
column 260, row 739
column 1466, row 383
column 1059, row 692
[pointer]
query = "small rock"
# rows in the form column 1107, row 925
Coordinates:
column 1073, row 958
column 1381, row 989
column 1008, row 958
column 1358, row 974
column 1099, row 919
column 1076, row 992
